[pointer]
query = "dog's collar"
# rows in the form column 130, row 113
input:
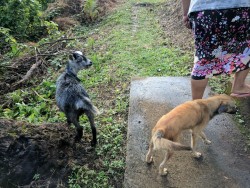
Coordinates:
column 71, row 74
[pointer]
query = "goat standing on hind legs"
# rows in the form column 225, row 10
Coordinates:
column 71, row 97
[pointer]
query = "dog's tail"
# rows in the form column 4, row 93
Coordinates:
column 162, row 143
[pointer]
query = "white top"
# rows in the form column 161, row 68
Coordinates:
column 199, row 5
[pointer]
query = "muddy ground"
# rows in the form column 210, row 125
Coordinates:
column 48, row 150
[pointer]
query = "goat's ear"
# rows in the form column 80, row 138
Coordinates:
column 222, row 108
column 77, row 54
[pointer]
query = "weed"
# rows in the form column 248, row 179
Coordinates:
column 220, row 84
column 90, row 10
column 82, row 176
column 36, row 177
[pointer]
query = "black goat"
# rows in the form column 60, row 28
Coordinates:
column 71, row 97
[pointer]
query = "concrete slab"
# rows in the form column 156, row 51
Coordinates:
column 225, row 163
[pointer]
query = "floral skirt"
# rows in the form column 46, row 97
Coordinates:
column 222, row 41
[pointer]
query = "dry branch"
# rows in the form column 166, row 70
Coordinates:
column 62, row 39
column 43, row 53
column 30, row 71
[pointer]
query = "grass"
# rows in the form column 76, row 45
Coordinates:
column 127, row 43
column 122, row 47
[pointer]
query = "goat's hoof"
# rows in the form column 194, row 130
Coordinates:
column 93, row 143
column 77, row 138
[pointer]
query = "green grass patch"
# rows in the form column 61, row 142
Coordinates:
column 128, row 43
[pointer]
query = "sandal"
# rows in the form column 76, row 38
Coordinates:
column 239, row 95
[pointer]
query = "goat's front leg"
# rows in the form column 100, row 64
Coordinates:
column 79, row 128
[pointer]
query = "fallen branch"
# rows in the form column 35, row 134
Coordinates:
column 62, row 39
column 30, row 72
column 42, row 53
column 41, row 96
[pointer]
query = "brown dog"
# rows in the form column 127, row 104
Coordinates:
column 193, row 115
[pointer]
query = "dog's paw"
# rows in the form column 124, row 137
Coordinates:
column 149, row 159
column 197, row 155
column 208, row 142
column 163, row 172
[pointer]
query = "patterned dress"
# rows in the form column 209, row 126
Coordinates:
column 222, row 41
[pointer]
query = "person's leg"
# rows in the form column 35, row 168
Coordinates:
column 198, row 87
column 239, row 86
column 241, row 37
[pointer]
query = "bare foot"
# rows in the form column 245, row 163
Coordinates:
column 243, row 89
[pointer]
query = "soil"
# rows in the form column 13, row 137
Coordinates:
column 48, row 150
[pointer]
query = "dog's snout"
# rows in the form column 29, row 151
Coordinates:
column 233, row 110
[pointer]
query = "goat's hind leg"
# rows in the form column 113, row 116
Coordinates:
column 90, row 116
column 68, row 122
column 74, row 118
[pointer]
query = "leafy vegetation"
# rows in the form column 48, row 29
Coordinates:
column 83, row 177
column 122, row 46
column 119, row 53
column 90, row 12
column 23, row 18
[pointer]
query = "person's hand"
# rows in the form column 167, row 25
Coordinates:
column 186, row 22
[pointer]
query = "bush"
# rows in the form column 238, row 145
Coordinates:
column 22, row 18
column 7, row 42
column 90, row 12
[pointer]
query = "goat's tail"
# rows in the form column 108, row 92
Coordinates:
column 161, row 143
column 95, row 110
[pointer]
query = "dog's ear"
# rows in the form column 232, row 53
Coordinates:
column 222, row 108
